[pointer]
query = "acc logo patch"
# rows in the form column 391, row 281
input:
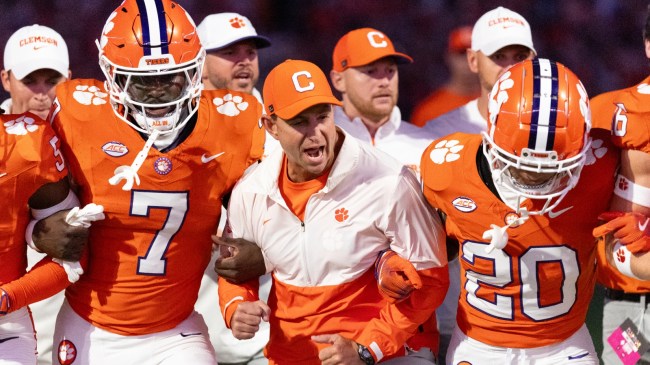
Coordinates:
column 115, row 149
column 464, row 204
column 162, row 165
column 67, row 352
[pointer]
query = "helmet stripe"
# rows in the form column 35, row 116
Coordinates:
column 544, row 113
column 154, row 27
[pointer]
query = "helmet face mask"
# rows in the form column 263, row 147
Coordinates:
column 537, row 138
column 152, row 69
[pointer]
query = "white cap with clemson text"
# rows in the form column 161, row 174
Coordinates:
column 223, row 29
column 36, row 47
column 500, row 28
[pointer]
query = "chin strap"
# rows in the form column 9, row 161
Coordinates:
column 498, row 236
column 130, row 173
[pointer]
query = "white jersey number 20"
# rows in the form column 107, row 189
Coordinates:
column 529, row 292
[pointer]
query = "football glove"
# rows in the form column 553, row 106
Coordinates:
column 396, row 277
column 631, row 229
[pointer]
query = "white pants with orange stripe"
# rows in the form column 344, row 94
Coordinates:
column 79, row 342
column 577, row 349
column 17, row 339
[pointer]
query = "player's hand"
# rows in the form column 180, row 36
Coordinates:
column 56, row 238
column 396, row 277
column 246, row 320
column 629, row 228
column 342, row 351
column 240, row 260
column 5, row 303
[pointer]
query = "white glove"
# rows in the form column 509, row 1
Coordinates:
column 498, row 237
column 72, row 268
column 80, row 217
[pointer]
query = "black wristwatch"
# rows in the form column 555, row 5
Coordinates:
column 365, row 355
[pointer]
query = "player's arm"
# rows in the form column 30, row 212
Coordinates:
column 44, row 280
column 244, row 261
column 627, row 230
column 48, row 232
column 418, row 238
column 239, row 302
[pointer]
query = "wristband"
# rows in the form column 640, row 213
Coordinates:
column 69, row 202
column 632, row 192
column 623, row 260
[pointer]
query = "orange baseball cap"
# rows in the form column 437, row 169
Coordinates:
column 363, row 46
column 460, row 39
column 294, row 86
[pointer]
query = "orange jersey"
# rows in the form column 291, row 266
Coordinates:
column 147, row 258
column 536, row 291
column 29, row 158
column 626, row 114
column 438, row 103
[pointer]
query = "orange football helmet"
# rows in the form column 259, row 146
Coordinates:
column 152, row 58
column 538, row 131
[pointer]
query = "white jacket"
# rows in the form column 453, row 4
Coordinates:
column 384, row 205
column 323, row 267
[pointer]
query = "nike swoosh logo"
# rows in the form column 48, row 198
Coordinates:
column 644, row 225
column 8, row 338
column 559, row 212
column 36, row 48
column 190, row 334
column 3, row 174
column 265, row 221
column 206, row 159
column 575, row 357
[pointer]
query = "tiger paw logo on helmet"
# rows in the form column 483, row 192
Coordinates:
column 446, row 151
column 88, row 95
column 499, row 95
column 596, row 151
column 230, row 105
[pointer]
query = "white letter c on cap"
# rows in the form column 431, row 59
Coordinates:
column 377, row 39
column 296, row 83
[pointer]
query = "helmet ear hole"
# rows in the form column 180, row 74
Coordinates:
column 538, row 124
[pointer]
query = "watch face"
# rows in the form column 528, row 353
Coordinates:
column 365, row 355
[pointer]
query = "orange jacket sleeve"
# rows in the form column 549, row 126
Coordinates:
column 398, row 322
column 230, row 295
